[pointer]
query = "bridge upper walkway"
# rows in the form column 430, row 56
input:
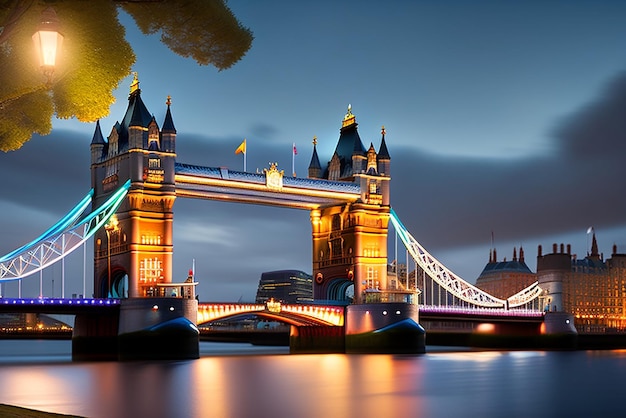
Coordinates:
column 219, row 183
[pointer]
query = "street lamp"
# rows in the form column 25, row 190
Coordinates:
column 48, row 41
column 109, row 227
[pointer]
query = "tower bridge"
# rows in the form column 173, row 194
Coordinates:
column 136, row 179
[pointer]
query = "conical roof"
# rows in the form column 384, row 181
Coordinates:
column 315, row 161
column 349, row 143
column 383, row 153
column 136, row 114
column 97, row 135
column 168, row 123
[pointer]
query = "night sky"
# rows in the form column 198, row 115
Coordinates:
column 503, row 119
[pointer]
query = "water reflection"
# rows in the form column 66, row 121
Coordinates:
column 242, row 383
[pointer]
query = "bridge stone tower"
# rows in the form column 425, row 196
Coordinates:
column 134, row 253
column 350, row 240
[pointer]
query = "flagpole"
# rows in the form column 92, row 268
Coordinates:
column 245, row 153
column 293, row 159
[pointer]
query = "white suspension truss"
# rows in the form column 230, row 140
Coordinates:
column 524, row 296
column 451, row 282
column 61, row 239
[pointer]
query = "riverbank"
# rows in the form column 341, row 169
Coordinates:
column 9, row 411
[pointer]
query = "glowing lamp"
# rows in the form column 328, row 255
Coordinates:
column 48, row 41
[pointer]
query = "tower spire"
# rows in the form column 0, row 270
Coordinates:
column 134, row 86
column 315, row 168
column 594, row 246
column 349, row 118
column 168, row 123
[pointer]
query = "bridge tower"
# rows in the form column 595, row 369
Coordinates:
column 134, row 253
column 350, row 240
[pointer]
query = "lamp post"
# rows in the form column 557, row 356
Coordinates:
column 48, row 41
column 110, row 227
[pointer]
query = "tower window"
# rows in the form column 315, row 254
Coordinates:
column 336, row 225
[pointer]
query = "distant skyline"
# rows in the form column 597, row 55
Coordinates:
column 501, row 117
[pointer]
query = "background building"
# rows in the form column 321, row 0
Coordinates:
column 288, row 286
column 592, row 289
column 503, row 279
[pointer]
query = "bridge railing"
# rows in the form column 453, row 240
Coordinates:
column 472, row 311
column 390, row 296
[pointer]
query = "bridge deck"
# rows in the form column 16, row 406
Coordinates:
column 218, row 183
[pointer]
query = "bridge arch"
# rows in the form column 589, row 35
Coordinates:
column 280, row 317
column 119, row 283
column 337, row 289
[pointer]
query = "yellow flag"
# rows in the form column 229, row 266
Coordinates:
column 241, row 148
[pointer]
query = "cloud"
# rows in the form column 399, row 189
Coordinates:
column 597, row 132
column 263, row 132
column 452, row 202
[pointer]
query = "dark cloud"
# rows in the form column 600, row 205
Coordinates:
column 597, row 132
column 58, row 162
column 263, row 132
column 458, row 202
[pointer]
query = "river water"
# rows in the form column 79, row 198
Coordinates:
column 240, row 380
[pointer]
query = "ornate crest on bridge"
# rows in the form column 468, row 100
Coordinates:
column 273, row 177
column 273, row 306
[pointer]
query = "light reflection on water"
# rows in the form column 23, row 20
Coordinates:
column 238, row 380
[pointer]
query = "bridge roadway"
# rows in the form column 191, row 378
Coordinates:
column 444, row 325
column 301, row 314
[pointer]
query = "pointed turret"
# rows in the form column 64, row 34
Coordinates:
column 315, row 168
column 97, row 144
column 168, row 133
column 137, row 116
column 350, row 149
column 594, row 247
column 372, row 166
column 168, row 123
column 384, row 160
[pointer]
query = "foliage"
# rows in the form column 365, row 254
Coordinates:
column 205, row 30
column 96, row 55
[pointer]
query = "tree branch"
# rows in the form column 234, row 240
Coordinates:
column 19, row 9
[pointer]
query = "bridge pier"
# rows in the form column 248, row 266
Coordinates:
column 158, row 329
column 317, row 339
column 384, row 328
column 94, row 336
column 142, row 329
column 376, row 328
column 555, row 330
